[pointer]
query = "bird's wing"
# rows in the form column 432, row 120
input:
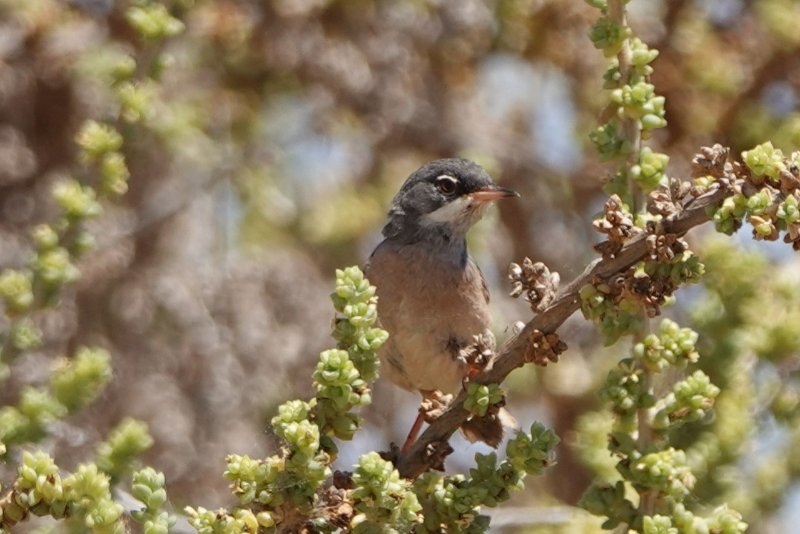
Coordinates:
column 484, row 287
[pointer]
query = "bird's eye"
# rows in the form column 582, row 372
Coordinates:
column 446, row 184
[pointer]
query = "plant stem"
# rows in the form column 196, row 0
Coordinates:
column 631, row 128
column 632, row 131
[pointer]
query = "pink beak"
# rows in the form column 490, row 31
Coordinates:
column 492, row 192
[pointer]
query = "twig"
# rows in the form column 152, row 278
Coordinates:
column 512, row 354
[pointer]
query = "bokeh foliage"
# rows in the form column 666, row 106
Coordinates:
column 179, row 179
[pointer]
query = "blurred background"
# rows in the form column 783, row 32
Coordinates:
column 275, row 144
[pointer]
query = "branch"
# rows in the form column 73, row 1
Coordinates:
column 512, row 354
column 773, row 68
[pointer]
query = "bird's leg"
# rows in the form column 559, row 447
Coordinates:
column 414, row 432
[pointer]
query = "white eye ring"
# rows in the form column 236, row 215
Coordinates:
column 446, row 184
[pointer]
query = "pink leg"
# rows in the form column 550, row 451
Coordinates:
column 414, row 432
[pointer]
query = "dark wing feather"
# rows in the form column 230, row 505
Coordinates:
column 484, row 287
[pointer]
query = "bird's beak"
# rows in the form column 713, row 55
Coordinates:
column 492, row 192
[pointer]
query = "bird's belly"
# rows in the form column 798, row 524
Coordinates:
column 421, row 361
column 429, row 318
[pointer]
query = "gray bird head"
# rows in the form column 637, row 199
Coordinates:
column 440, row 201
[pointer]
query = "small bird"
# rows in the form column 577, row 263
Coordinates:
column 432, row 297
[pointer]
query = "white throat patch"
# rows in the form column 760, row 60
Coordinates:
column 461, row 211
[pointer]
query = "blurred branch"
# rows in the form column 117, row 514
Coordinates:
column 674, row 8
column 771, row 69
column 512, row 354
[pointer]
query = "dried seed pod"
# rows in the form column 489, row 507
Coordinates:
column 478, row 354
column 617, row 224
column 544, row 348
column 710, row 161
column 536, row 281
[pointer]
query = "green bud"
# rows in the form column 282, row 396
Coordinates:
column 609, row 36
column 44, row 237
column 16, row 290
column 148, row 487
column 639, row 101
column 87, row 482
column 303, row 436
column 124, row 68
column 641, row 55
column 35, row 469
column 726, row 521
column 336, row 378
column 610, row 502
column 658, row 525
column 609, row 141
column 665, row 471
column 759, row 202
column 531, row 453
column 690, row 400
column 292, row 411
column 728, row 217
column 345, row 426
column 104, row 513
column 161, row 64
column 136, row 101
column 77, row 382
column 381, row 497
column 266, row 519
column 114, row 174
column 54, row 267
column 125, row 442
column 612, row 76
column 40, row 406
column 788, row 210
column 653, row 113
column 75, row 200
column 97, row 139
column 152, row 21
column 764, row 161
column 672, row 346
column 84, row 242
column 650, row 171
column 481, row 396
column 253, row 480
column 623, row 388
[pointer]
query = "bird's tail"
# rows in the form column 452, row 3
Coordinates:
column 490, row 428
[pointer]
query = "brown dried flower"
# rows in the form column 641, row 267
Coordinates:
column 790, row 176
column 792, row 235
column 434, row 404
column 478, row 354
column 617, row 224
column 544, row 348
column 664, row 247
column 668, row 201
column 436, row 452
column 536, row 281
column 711, row 161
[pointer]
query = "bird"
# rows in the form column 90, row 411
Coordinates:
column 432, row 297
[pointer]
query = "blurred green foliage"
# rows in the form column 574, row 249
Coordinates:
column 179, row 178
